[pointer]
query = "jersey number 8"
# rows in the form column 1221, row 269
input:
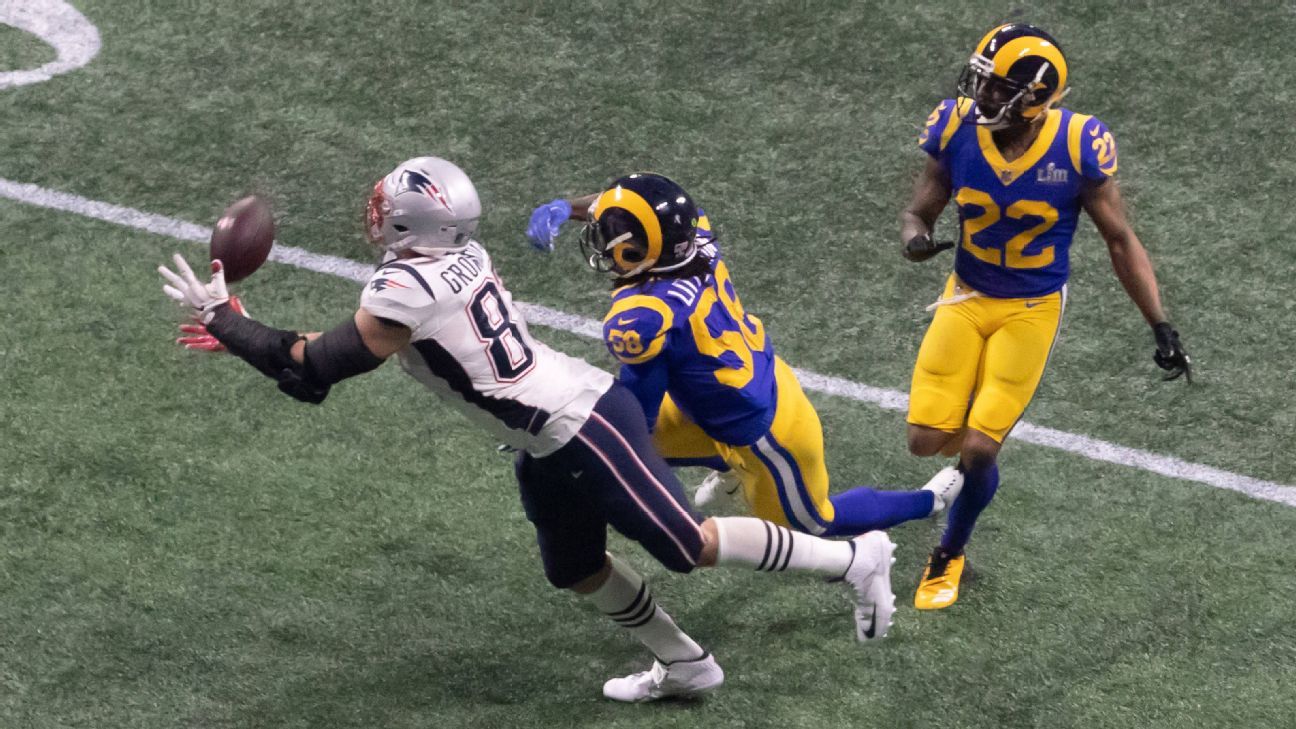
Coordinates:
column 509, row 354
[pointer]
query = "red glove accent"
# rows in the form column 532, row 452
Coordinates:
column 199, row 339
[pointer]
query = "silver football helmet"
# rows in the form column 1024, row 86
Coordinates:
column 426, row 204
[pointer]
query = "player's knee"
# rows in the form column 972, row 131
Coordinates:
column 924, row 441
column 579, row 576
column 931, row 409
column 996, row 411
column 979, row 451
column 587, row 584
column 710, row 549
column 681, row 563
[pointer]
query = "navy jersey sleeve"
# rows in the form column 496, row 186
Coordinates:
column 1098, row 160
column 941, row 125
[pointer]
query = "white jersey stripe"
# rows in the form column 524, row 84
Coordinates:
column 788, row 485
column 595, row 417
column 642, row 506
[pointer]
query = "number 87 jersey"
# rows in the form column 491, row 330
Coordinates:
column 1017, row 219
column 471, row 346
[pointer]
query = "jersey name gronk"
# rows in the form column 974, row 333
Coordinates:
column 471, row 346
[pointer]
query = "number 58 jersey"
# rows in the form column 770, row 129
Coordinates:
column 1017, row 219
column 471, row 346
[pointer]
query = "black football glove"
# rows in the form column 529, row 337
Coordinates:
column 921, row 247
column 1170, row 355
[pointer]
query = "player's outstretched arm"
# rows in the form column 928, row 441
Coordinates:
column 930, row 194
column 305, row 366
column 547, row 219
column 1133, row 267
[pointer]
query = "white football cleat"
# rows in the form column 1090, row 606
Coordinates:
column 946, row 485
column 719, row 490
column 681, row 679
column 870, row 575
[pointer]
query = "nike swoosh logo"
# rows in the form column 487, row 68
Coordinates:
column 1033, row 304
column 872, row 624
column 625, row 322
column 577, row 474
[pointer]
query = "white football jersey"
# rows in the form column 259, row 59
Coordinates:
column 471, row 346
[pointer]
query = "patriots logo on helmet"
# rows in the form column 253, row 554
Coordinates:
column 416, row 182
column 380, row 284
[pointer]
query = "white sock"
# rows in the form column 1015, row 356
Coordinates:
column 758, row 543
column 627, row 600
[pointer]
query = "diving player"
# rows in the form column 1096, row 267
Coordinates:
column 586, row 457
column 705, row 371
column 1020, row 170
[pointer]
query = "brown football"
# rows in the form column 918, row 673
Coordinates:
column 242, row 237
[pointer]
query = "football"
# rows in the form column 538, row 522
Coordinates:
column 242, row 237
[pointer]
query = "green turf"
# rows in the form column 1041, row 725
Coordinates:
column 20, row 50
column 184, row 547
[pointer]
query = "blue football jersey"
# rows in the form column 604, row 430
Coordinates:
column 690, row 337
column 1017, row 219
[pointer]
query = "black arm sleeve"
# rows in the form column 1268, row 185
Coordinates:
column 265, row 348
column 334, row 356
column 338, row 354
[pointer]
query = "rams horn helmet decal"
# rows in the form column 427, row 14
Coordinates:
column 1016, row 74
column 642, row 222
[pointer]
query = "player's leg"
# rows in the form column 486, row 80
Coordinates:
column 643, row 500
column 790, row 483
column 944, row 378
column 944, row 375
column 683, row 443
column 572, row 532
column 1015, row 357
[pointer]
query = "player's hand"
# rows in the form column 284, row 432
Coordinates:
column 546, row 221
column 185, row 288
column 201, row 339
column 1170, row 354
column 921, row 247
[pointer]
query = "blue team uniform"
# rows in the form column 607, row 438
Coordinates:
column 691, row 338
column 1017, row 218
column 716, row 394
column 987, row 346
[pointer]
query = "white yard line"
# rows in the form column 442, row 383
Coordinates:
column 75, row 39
column 1093, row 448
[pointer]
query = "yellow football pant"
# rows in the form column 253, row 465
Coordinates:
column 981, row 360
column 783, row 474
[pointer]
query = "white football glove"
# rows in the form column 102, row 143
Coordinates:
column 187, row 290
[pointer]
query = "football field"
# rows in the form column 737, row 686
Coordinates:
column 182, row 546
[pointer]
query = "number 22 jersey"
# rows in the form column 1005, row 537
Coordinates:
column 471, row 346
column 1017, row 219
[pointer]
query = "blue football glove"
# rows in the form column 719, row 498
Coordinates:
column 546, row 221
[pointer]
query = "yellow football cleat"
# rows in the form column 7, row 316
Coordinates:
column 939, row 586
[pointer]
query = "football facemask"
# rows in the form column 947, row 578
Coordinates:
column 1015, row 75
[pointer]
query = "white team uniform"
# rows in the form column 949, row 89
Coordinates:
column 471, row 346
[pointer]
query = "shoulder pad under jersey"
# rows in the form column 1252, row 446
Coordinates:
column 398, row 291
column 635, row 329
